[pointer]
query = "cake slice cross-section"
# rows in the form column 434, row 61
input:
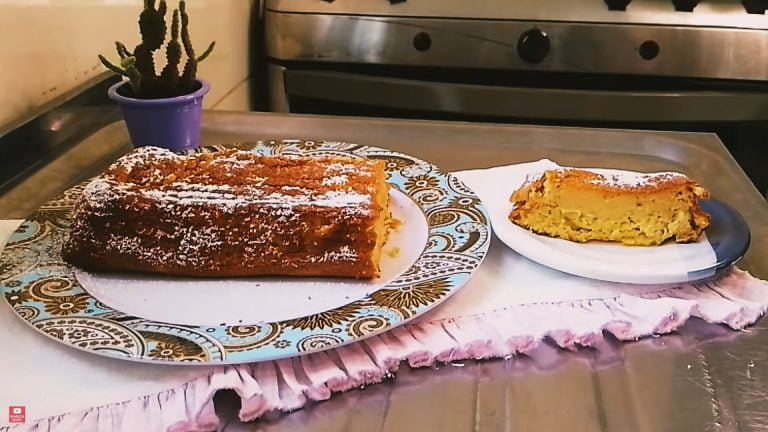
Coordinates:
column 631, row 208
column 232, row 213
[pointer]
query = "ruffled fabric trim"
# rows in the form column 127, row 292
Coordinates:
column 736, row 300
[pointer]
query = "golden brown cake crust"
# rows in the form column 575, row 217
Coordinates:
column 632, row 208
column 232, row 213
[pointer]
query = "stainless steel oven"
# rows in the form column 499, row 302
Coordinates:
column 652, row 64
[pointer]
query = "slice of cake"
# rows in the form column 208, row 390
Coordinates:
column 631, row 208
column 232, row 213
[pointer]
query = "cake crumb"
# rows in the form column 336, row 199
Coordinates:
column 394, row 224
column 394, row 252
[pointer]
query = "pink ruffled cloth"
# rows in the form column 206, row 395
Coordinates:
column 736, row 300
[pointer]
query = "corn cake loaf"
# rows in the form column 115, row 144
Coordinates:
column 631, row 208
column 232, row 213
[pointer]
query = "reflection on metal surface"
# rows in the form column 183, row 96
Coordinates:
column 59, row 125
column 525, row 102
column 278, row 98
column 589, row 389
column 705, row 52
column 713, row 13
column 656, row 384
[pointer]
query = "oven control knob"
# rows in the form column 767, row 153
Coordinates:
column 533, row 46
column 618, row 5
column 685, row 5
column 755, row 6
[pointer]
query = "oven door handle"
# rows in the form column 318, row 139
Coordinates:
column 528, row 103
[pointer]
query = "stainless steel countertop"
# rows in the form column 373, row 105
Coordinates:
column 704, row 378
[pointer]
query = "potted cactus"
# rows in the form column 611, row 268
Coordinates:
column 162, row 109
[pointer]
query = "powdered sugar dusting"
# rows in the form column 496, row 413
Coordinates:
column 98, row 192
column 155, row 207
column 341, row 168
column 345, row 253
column 141, row 155
column 335, row 180
column 609, row 177
column 624, row 179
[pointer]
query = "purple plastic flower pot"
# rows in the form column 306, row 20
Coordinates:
column 172, row 123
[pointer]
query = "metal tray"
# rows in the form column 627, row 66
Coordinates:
column 703, row 378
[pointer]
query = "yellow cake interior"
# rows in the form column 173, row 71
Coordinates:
column 381, row 226
column 582, row 206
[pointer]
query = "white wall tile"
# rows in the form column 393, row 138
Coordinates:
column 238, row 99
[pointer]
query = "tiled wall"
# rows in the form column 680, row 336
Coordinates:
column 49, row 47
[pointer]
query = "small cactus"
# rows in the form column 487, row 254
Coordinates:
column 190, row 67
column 169, row 77
column 139, row 65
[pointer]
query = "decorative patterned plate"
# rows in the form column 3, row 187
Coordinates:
column 45, row 292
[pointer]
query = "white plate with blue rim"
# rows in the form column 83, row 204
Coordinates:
column 722, row 244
